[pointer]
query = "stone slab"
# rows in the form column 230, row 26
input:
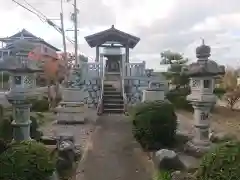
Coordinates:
column 72, row 118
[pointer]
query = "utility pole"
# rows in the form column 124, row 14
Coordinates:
column 75, row 32
column 63, row 32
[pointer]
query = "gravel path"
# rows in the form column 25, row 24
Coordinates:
column 81, row 132
column 112, row 155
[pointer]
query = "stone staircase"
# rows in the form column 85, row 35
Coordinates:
column 112, row 100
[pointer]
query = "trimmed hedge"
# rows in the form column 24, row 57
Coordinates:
column 154, row 124
column 41, row 105
column 219, row 92
column 178, row 99
column 223, row 163
column 27, row 160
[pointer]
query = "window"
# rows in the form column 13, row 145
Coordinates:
column 206, row 83
column 196, row 83
column 17, row 80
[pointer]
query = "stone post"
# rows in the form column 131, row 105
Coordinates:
column 97, row 54
column 154, row 92
column 202, row 83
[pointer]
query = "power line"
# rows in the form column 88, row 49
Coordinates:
column 43, row 18
column 35, row 9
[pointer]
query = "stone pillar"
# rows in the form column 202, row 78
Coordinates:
column 201, row 124
column 127, row 54
column 97, row 54
column 102, row 65
column 21, row 122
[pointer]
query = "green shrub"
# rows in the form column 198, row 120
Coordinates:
column 6, row 129
column 41, row 105
column 154, row 124
column 34, row 131
column 178, row 99
column 219, row 92
column 27, row 160
column 223, row 163
column 4, row 77
column 162, row 175
column 3, row 146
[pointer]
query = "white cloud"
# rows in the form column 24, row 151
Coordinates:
column 177, row 25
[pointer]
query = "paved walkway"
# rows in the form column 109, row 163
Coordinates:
column 112, row 155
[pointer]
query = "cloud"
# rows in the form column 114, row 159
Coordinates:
column 187, row 22
column 177, row 25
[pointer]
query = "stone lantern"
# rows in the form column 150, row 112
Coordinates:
column 202, row 82
column 22, row 83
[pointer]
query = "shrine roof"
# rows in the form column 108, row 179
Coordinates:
column 112, row 34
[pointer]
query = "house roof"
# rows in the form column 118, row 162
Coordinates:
column 112, row 34
column 26, row 35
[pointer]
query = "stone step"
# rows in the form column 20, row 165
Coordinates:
column 116, row 98
column 108, row 85
column 110, row 89
column 113, row 101
column 112, row 93
column 113, row 111
column 112, row 106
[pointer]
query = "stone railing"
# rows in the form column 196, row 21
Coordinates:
column 91, row 70
column 135, row 69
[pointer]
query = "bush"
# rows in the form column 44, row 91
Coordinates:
column 40, row 105
column 219, row 92
column 3, row 146
column 223, row 163
column 4, row 77
column 154, row 124
column 27, row 160
column 178, row 99
column 162, row 175
column 34, row 132
column 6, row 129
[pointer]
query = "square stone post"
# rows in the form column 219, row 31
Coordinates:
column 97, row 54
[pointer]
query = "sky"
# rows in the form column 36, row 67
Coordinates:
column 176, row 25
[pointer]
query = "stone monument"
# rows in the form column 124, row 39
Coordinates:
column 154, row 92
column 71, row 109
column 22, row 83
column 202, row 82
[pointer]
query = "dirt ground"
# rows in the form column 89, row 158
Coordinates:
column 222, row 120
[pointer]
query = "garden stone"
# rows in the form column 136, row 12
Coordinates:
column 67, row 153
column 168, row 160
column 221, row 137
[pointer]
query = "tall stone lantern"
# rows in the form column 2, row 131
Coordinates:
column 202, row 82
column 22, row 83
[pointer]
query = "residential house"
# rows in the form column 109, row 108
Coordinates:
column 44, row 52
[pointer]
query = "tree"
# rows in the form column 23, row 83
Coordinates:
column 229, row 81
column 231, row 86
column 169, row 57
column 176, row 61
column 232, row 98
column 83, row 58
